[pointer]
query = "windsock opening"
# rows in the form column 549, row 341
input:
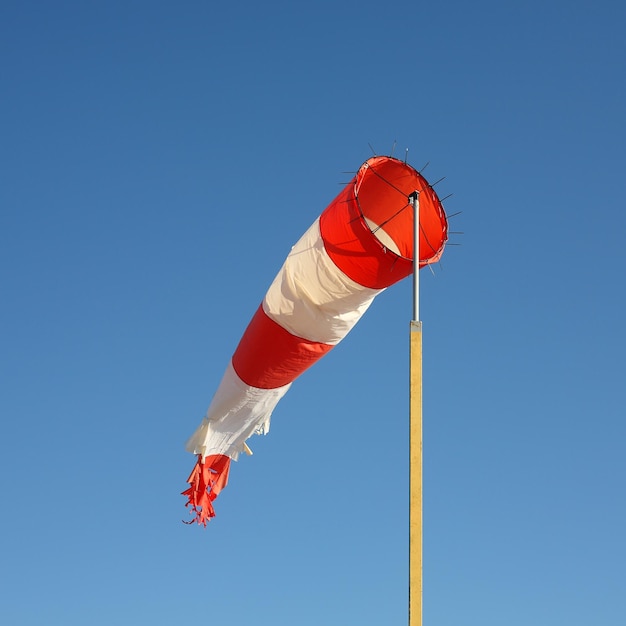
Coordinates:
column 368, row 228
column 382, row 188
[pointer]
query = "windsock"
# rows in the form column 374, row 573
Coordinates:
column 361, row 244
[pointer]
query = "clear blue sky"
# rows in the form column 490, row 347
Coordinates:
column 157, row 162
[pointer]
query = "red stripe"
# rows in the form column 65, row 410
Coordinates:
column 268, row 356
column 353, row 248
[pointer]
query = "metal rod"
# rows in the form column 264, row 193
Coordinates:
column 414, row 200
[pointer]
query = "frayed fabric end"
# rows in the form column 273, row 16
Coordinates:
column 208, row 478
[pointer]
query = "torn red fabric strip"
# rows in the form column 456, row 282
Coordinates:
column 207, row 479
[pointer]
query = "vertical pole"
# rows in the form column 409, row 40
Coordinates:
column 415, row 439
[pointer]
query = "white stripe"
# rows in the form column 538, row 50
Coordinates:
column 236, row 412
column 311, row 297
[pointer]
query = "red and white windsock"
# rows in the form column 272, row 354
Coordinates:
column 361, row 244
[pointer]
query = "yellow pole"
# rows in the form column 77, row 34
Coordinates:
column 415, row 476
